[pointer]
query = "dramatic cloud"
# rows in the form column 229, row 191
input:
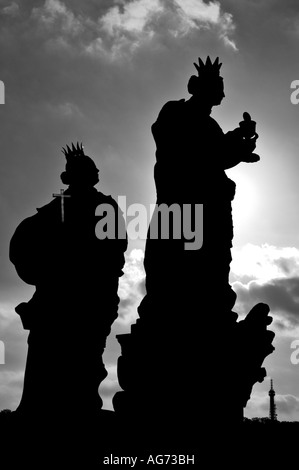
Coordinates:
column 109, row 386
column 196, row 14
column 131, row 291
column 11, row 385
column 134, row 18
column 271, row 275
column 55, row 14
column 287, row 406
column 282, row 295
column 12, row 371
column 122, row 29
column 131, row 287
column 14, row 338
column 264, row 262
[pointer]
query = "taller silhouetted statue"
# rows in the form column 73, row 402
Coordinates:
column 188, row 365
column 70, row 314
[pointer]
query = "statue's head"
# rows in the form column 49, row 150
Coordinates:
column 208, row 84
column 80, row 170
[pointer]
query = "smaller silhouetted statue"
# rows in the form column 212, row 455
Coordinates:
column 76, row 277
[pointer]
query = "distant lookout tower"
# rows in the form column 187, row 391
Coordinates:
column 272, row 411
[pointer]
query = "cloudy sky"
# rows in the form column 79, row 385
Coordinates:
column 99, row 71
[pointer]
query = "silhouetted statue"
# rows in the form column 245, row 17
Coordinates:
column 188, row 362
column 70, row 314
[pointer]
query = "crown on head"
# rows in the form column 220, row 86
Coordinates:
column 74, row 151
column 209, row 68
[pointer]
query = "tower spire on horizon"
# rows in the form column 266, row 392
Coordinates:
column 272, row 410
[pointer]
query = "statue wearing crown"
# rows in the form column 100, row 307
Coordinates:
column 187, row 338
column 75, row 302
column 192, row 155
column 189, row 140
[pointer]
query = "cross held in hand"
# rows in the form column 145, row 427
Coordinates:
column 62, row 196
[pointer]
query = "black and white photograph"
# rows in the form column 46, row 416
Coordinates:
column 149, row 242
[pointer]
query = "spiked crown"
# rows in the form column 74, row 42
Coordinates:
column 77, row 151
column 206, row 72
column 209, row 69
column 79, row 167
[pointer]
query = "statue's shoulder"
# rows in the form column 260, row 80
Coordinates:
column 168, row 116
column 32, row 221
column 171, row 106
column 102, row 198
column 48, row 208
column 32, row 228
column 25, row 238
column 25, row 225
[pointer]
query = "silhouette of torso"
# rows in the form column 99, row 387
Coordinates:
column 190, row 169
column 191, row 147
